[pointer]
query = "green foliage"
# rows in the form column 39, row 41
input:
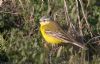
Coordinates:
column 21, row 41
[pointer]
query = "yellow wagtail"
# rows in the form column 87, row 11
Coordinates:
column 53, row 33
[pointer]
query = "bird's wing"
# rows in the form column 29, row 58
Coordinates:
column 58, row 35
column 65, row 38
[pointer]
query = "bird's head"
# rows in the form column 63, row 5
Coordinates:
column 45, row 20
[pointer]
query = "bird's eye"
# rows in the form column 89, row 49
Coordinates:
column 45, row 19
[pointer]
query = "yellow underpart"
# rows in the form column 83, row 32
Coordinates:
column 50, row 26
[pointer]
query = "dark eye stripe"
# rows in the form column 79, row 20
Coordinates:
column 46, row 19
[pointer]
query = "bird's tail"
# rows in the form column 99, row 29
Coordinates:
column 78, row 44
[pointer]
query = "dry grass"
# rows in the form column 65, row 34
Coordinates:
column 21, row 41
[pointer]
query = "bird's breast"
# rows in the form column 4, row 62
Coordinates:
column 49, row 38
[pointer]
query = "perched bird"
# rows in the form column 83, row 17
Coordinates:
column 54, row 34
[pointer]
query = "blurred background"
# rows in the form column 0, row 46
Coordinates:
column 21, row 41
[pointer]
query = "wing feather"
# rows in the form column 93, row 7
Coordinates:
column 65, row 38
column 58, row 35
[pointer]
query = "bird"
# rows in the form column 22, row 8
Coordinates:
column 54, row 34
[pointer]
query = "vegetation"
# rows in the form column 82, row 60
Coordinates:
column 21, row 41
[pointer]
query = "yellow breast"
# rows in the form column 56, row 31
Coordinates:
column 49, row 38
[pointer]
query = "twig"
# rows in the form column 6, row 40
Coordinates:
column 9, row 13
column 69, row 20
column 79, row 22
column 92, row 39
column 66, row 12
column 81, row 4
